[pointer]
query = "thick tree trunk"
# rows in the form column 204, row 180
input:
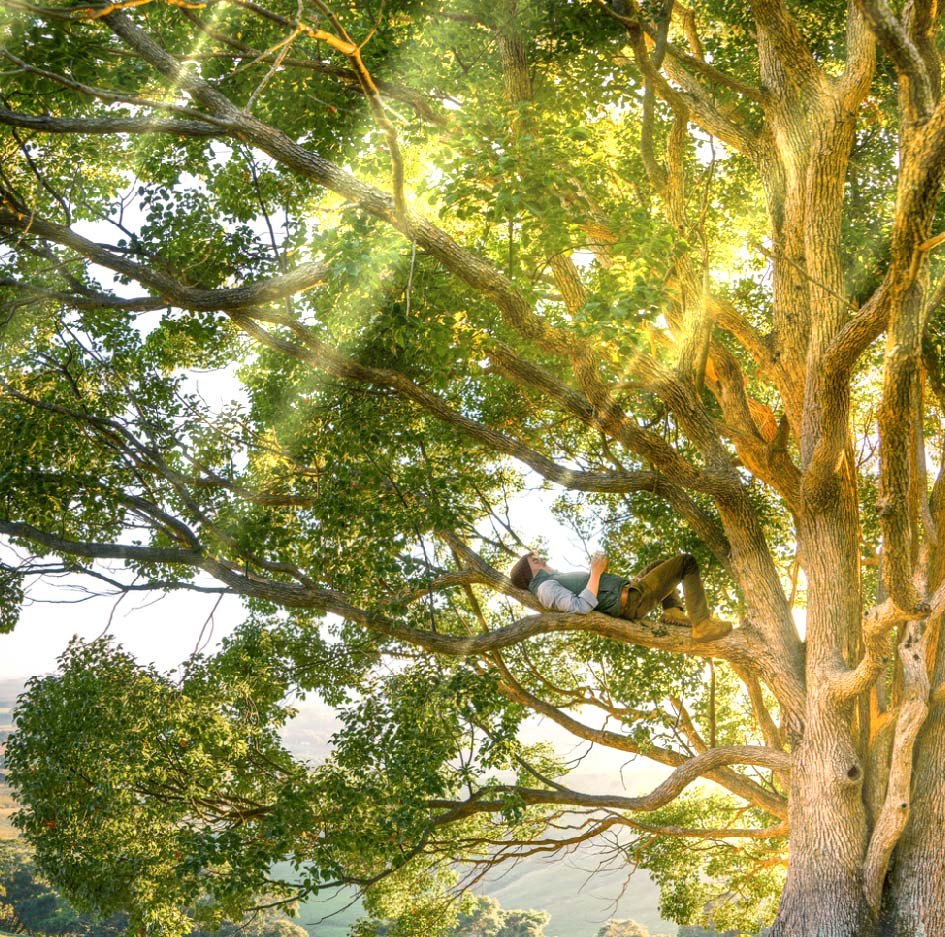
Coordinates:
column 824, row 891
column 914, row 904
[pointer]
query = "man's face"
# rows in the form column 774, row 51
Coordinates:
column 537, row 562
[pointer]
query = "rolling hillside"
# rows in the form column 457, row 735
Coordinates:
column 8, row 691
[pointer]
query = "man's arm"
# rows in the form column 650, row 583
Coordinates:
column 554, row 596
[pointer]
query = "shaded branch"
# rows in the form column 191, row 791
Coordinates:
column 173, row 293
column 42, row 123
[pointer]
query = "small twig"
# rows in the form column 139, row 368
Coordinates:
column 413, row 259
column 286, row 44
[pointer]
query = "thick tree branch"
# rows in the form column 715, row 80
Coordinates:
column 173, row 293
column 42, row 123
column 778, row 30
column 894, row 813
column 738, row 784
column 671, row 788
column 737, row 646
column 469, row 268
column 99, row 551
column 920, row 181
column 860, row 65
column 904, row 55
column 877, row 624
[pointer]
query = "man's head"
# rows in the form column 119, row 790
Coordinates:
column 524, row 570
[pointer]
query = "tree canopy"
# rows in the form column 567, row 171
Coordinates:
column 675, row 263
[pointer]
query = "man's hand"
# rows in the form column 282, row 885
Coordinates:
column 598, row 564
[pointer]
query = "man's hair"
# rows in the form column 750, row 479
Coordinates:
column 521, row 572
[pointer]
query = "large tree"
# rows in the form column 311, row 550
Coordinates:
column 675, row 262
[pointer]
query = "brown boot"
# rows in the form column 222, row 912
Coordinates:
column 710, row 629
column 675, row 616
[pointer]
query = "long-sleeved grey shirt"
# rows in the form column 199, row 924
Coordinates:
column 554, row 596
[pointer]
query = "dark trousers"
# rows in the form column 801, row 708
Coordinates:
column 658, row 582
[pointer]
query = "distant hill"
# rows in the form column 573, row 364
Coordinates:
column 8, row 692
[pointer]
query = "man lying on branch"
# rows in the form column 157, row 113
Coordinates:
column 621, row 597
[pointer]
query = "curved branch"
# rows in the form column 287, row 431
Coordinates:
column 665, row 792
column 769, row 729
column 303, row 277
column 877, row 624
column 415, row 99
column 712, row 73
column 738, row 784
